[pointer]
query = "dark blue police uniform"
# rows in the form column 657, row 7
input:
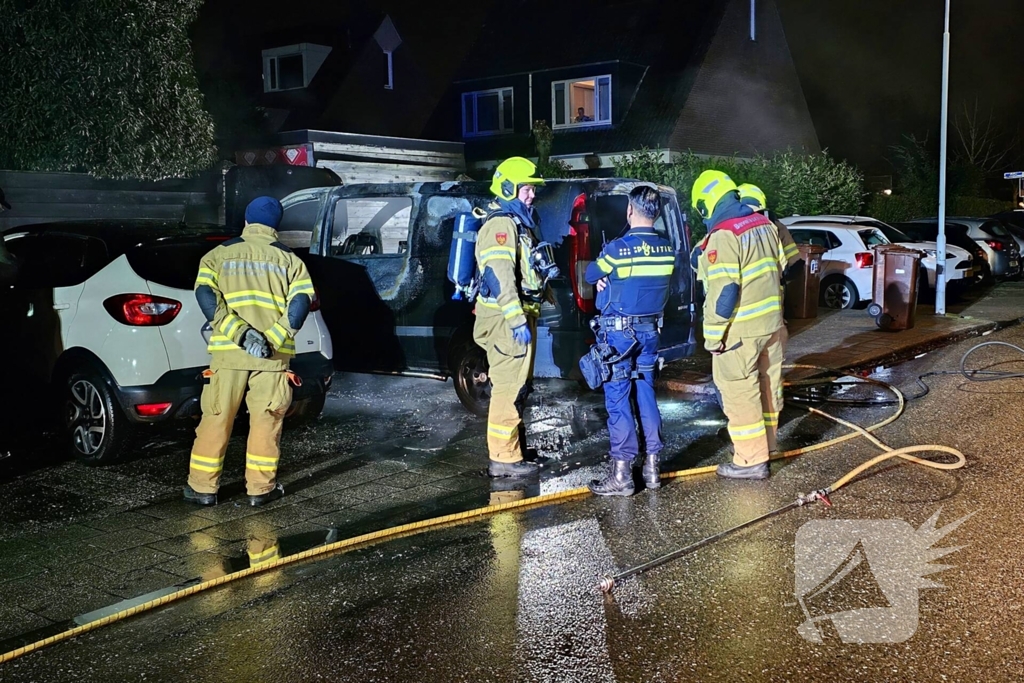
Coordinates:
column 639, row 268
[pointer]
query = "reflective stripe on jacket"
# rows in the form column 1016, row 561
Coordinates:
column 254, row 280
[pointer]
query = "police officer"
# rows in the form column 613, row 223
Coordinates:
column 740, row 263
column 256, row 295
column 633, row 274
column 511, row 291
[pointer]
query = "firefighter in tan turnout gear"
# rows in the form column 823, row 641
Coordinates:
column 256, row 295
column 740, row 264
column 513, row 268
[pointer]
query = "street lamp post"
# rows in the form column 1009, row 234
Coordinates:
column 940, row 256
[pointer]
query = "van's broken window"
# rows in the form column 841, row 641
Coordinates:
column 377, row 226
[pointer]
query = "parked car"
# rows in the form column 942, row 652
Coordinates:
column 379, row 255
column 847, row 266
column 959, row 262
column 1002, row 254
column 956, row 235
column 1014, row 222
column 107, row 324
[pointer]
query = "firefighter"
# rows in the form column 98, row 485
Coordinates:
column 256, row 294
column 634, row 272
column 755, row 198
column 511, row 291
column 740, row 263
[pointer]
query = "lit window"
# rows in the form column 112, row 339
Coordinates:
column 487, row 112
column 293, row 66
column 582, row 102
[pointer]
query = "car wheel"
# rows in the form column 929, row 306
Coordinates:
column 985, row 278
column 96, row 427
column 472, row 382
column 307, row 410
column 838, row 293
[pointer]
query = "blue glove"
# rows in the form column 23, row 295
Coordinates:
column 522, row 335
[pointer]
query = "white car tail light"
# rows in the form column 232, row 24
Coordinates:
column 142, row 310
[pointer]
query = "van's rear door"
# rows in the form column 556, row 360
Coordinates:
column 678, row 338
column 609, row 216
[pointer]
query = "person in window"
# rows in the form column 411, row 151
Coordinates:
column 581, row 116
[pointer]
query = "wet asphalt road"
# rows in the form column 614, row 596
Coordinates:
column 514, row 597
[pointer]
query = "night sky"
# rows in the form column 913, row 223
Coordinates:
column 871, row 69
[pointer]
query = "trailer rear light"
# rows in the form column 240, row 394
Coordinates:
column 580, row 256
column 864, row 259
column 996, row 246
column 152, row 409
column 142, row 310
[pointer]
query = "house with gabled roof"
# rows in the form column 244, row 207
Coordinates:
column 714, row 77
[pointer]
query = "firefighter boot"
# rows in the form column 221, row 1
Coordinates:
column 652, row 478
column 264, row 498
column 512, row 469
column 193, row 496
column 732, row 471
column 619, row 481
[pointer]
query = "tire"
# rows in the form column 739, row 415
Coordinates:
column 470, row 376
column 839, row 293
column 985, row 278
column 874, row 310
column 307, row 410
column 96, row 428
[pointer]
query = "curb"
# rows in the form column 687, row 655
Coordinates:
column 700, row 387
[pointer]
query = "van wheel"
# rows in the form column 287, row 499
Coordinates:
column 96, row 428
column 839, row 293
column 472, row 383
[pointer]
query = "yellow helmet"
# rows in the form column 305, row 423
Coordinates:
column 748, row 191
column 708, row 189
column 511, row 174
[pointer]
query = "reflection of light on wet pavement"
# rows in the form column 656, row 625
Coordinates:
column 561, row 633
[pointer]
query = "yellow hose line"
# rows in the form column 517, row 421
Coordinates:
column 560, row 496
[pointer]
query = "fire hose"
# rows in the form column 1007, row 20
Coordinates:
column 547, row 499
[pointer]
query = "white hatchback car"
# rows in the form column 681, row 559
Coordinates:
column 106, row 319
column 848, row 264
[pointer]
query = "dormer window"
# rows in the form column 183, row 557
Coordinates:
column 293, row 66
column 582, row 102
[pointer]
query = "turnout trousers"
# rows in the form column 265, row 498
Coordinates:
column 268, row 398
column 749, row 378
column 623, row 389
column 510, row 369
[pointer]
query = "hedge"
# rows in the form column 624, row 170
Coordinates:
column 806, row 184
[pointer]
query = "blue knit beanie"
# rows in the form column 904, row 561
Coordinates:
column 264, row 210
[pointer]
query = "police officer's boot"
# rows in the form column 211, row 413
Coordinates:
column 652, row 477
column 619, row 481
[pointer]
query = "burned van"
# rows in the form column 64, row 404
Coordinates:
column 378, row 256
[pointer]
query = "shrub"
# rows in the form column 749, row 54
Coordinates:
column 806, row 184
column 103, row 87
